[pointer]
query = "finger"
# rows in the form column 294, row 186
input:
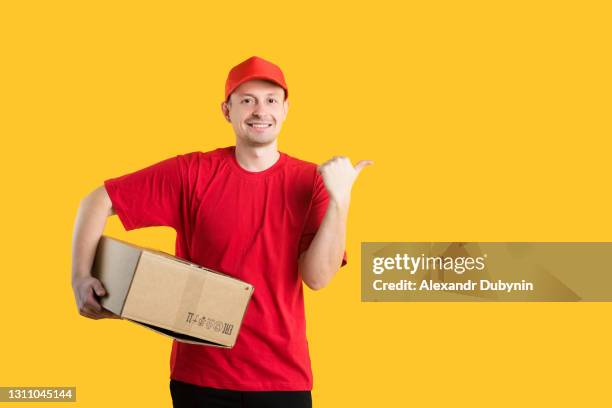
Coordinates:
column 333, row 159
column 99, row 288
column 323, row 165
column 363, row 164
column 92, row 303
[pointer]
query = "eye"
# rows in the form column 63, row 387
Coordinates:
column 272, row 100
column 245, row 100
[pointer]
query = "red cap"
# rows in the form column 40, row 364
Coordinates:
column 254, row 68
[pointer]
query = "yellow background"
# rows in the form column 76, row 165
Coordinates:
column 488, row 121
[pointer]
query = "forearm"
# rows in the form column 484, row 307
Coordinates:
column 321, row 261
column 89, row 226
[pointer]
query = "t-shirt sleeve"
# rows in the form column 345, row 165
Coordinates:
column 320, row 200
column 148, row 197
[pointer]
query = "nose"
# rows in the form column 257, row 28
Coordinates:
column 259, row 111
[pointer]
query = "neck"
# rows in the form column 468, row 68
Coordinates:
column 257, row 158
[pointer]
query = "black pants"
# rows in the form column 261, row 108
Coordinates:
column 186, row 395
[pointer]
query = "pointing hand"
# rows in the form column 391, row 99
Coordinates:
column 339, row 175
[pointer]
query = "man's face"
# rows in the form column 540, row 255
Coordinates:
column 256, row 110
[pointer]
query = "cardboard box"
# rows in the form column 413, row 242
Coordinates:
column 170, row 295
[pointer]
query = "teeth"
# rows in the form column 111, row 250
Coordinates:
column 259, row 125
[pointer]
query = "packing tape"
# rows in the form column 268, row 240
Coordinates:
column 190, row 300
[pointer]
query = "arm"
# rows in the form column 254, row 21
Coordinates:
column 147, row 197
column 91, row 218
column 320, row 262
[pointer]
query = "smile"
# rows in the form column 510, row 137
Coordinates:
column 259, row 125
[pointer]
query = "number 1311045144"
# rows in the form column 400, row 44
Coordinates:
column 8, row 394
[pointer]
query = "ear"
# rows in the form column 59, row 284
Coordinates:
column 286, row 107
column 225, row 110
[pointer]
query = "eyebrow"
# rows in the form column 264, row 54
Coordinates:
column 249, row 94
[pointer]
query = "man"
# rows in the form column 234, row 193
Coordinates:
column 249, row 211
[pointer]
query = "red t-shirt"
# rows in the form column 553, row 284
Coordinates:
column 251, row 225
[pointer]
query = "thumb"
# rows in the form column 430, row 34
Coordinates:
column 98, row 288
column 362, row 164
